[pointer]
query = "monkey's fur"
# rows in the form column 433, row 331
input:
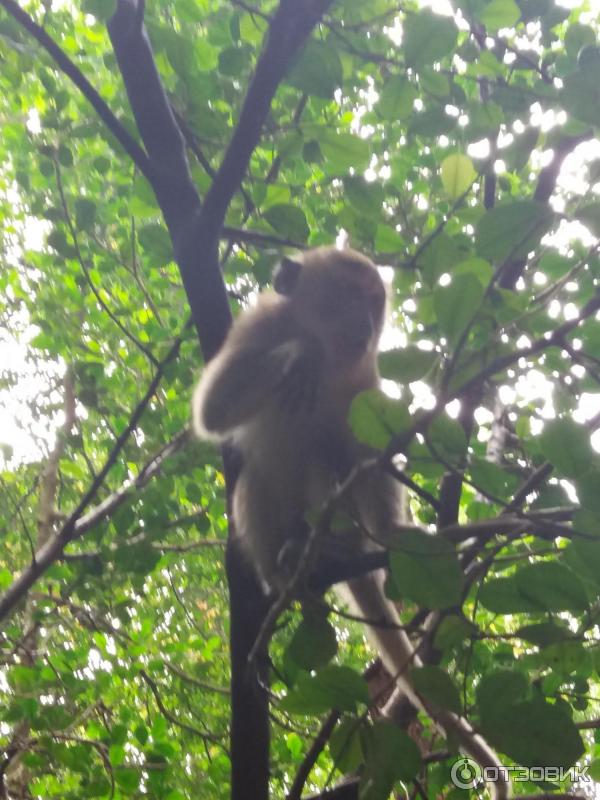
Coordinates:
column 280, row 390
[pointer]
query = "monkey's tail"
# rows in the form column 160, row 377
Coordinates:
column 365, row 598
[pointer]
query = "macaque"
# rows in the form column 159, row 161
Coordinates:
column 280, row 390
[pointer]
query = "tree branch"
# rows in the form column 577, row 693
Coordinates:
column 289, row 28
column 314, row 751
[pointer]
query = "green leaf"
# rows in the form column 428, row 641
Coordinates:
column 565, row 658
column 396, row 98
column 387, row 240
column 580, row 95
column 375, row 418
column 333, row 687
column 156, row 242
column 101, row 9
column 478, row 267
column 434, row 83
column 456, row 305
column 531, row 9
column 233, row 61
column 426, row 569
column 57, row 239
column 318, row 71
column 447, row 440
column 452, row 632
column 343, row 151
column 65, row 156
column 5, row 578
column 567, row 446
column 432, row 122
column 436, row 686
column 492, row 479
column 127, row 779
column 512, row 229
column 554, row 265
column 439, row 256
column 85, row 213
column 588, row 490
column 366, row 197
column 314, row 642
column 589, row 215
column 503, row 596
column 345, row 746
column 551, row 587
column 498, row 689
column 141, row 734
column 577, row 37
column 499, row 14
column 428, row 37
column 253, row 28
column 289, row 221
column 544, row 633
column 406, row 364
column 458, row 173
column 534, row 732
column 390, row 756
column 583, row 555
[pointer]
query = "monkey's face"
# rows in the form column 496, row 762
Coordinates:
column 347, row 317
column 339, row 298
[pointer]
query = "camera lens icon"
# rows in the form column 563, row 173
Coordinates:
column 465, row 773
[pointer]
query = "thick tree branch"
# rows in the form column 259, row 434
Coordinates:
column 171, row 178
column 289, row 28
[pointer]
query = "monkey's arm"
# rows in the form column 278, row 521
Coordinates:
column 241, row 381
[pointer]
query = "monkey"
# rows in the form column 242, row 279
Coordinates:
column 279, row 391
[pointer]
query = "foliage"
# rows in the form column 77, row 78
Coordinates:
column 114, row 664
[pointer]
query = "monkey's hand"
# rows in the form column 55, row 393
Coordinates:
column 298, row 385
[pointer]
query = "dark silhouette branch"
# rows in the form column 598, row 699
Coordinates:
column 314, row 751
column 289, row 28
column 258, row 238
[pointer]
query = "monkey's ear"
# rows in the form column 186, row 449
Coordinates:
column 286, row 275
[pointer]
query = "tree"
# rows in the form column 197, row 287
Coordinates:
column 145, row 189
